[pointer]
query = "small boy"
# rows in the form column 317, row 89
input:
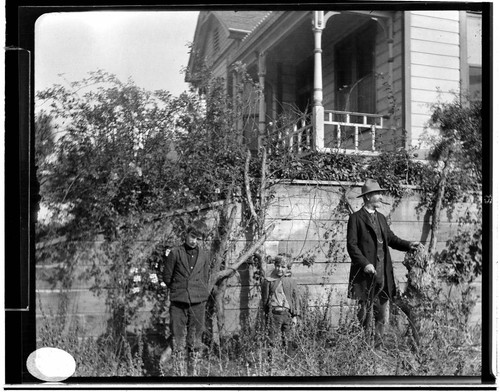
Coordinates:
column 186, row 275
column 281, row 299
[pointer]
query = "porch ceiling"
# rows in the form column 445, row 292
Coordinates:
column 340, row 25
column 299, row 43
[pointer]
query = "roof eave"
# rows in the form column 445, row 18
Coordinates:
column 253, row 41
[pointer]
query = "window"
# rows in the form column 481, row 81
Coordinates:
column 474, row 53
column 475, row 81
column 354, row 78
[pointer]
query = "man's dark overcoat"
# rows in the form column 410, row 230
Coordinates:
column 362, row 248
column 185, row 285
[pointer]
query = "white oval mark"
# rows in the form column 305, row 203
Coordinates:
column 51, row 364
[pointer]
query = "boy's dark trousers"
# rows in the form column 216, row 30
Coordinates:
column 279, row 326
column 184, row 315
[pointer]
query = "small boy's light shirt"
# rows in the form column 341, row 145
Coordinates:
column 278, row 298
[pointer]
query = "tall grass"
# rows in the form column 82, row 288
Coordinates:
column 106, row 356
column 319, row 349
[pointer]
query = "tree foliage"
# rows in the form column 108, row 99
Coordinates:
column 455, row 176
column 124, row 150
column 111, row 157
column 456, row 153
column 463, row 256
column 122, row 161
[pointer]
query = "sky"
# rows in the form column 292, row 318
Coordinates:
column 150, row 47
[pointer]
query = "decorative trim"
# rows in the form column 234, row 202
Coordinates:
column 238, row 34
column 406, row 76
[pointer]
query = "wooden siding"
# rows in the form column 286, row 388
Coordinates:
column 434, row 64
column 221, row 71
column 307, row 224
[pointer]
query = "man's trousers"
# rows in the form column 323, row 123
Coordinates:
column 379, row 309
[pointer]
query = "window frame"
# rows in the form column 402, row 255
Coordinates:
column 465, row 66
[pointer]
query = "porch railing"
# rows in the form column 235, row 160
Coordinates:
column 349, row 132
column 352, row 131
column 297, row 138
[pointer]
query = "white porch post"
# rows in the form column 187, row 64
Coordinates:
column 239, row 118
column 262, row 102
column 318, row 110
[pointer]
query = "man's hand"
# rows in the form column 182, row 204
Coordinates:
column 416, row 245
column 370, row 269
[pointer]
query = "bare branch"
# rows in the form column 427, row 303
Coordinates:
column 181, row 211
column 243, row 257
column 247, row 187
column 69, row 188
column 228, row 224
column 263, row 178
column 438, row 205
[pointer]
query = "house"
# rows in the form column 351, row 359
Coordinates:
column 362, row 81
column 351, row 81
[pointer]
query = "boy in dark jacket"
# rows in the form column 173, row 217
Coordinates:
column 281, row 299
column 186, row 275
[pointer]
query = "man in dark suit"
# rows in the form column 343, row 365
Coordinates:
column 186, row 274
column 371, row 278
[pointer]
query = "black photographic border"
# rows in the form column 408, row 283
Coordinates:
column 21, row 197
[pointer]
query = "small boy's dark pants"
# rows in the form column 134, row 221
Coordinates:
column 279, row 327
column 187, row 316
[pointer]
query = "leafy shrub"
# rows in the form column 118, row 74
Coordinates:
column 461, row 260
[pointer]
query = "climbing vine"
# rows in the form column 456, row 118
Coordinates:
column 393, row 170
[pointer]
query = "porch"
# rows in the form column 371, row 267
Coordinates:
column 332, row 87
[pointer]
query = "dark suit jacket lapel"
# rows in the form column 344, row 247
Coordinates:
column 184, row 259
column 199, row 262
column 366, row 218
column 383, row 226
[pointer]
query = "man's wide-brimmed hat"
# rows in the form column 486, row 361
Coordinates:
column 370, row 186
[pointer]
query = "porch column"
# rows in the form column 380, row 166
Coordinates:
column 262, row 102
column 239, row 119
column 318, row 110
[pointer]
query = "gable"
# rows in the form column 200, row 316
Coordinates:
column 214, row 34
